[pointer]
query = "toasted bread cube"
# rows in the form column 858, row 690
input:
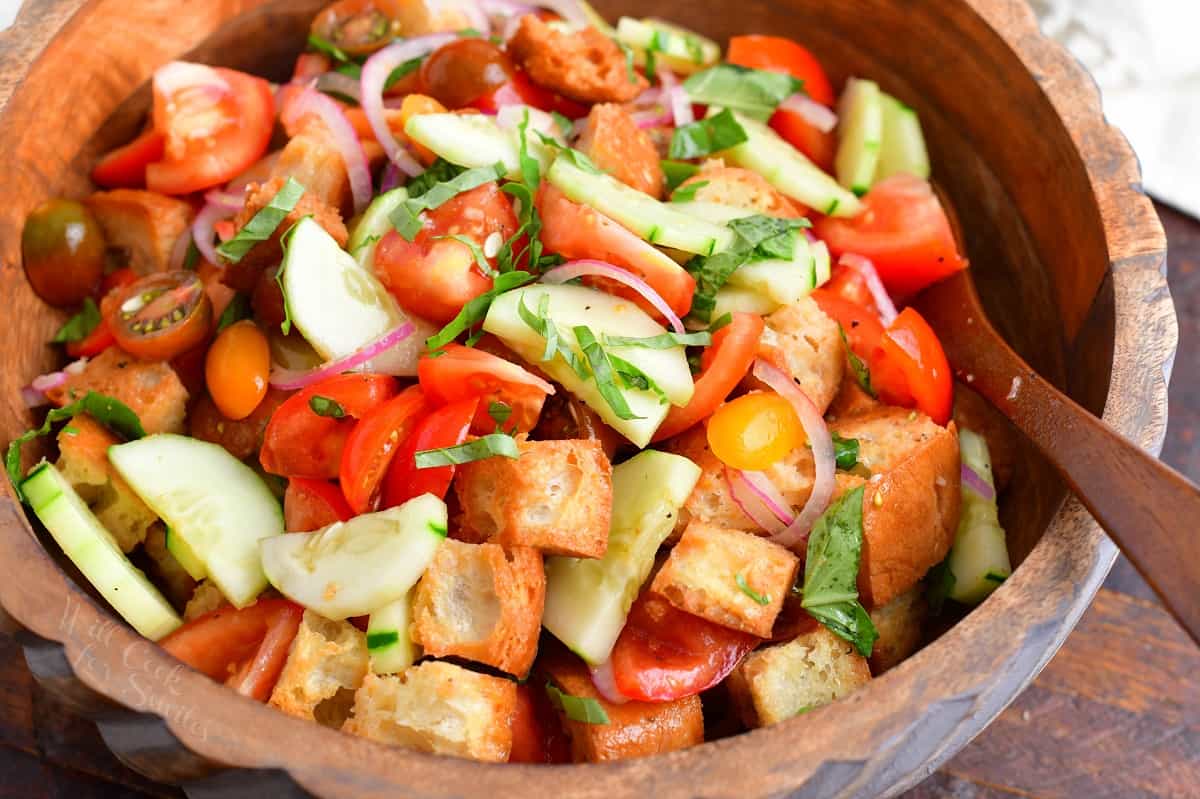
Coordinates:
column 802, row 341
column 438, row 707
column 851, row 399
column 479, row 602
column 151, row 389
column 176, row 583
column 899, row 626
column 614, row 142
column 205, row 598
column 144, row 224
column 741, row 188
column 634, row 729
column 779, row 682
column 584, row 65
column 312, row 159
column 326, row 665
column 83, row 460
column 712, row 572
column 557, row 498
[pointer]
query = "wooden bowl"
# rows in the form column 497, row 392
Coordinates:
column 1066, row 249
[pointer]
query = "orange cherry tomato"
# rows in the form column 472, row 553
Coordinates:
column 125, row 167
column 734, row 348
column 754, row 431
column 445, row 427
column 312, row 504
column 161, row 315
column 237, row 369
column 465, row 372
column 372, row 445
column 777, row 54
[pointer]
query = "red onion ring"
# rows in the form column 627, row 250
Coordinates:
column 972, row 480
column 354, row 158
column 390, row 178
column 179, row 75
column 588, row 266
column 290, row 380
column 751, row 497
column 647, row 98
column 606, row 683
column 815, row 114
column 887, row 308
column 34, row 394
column 676, row 98
column 375, row 74
column 821, row 442
column 657, row 118
column 218, row 206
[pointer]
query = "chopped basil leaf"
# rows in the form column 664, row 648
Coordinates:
column 995, row 577
column 481, row 260
column 81, row 325
column 722, row 320
column 583, row 709
column 531, row 228
column 470, row 33
column 380, row 640
column 940, row 582
column 830, row 593
column 473, row 339
column 845, row 452
column 687, row 193
column 633, row 377
column 264, row 223
column 324, row 406
column 406, row 218
column 541, row 324
column 192, row 256
column 323, row 45
column 108, row 411
column 473, row 312
column 770, row 236
column 756, row 237
column 627, row 51
column 762, row 599
column 651, row 67
column 862, row 375
column 488, row 446
column 565, row 125
column 439, row 171
column 499, row 412
column 71, row 430
column 706, row 136
column 603, row 372
column 754, row 92
column 578, row 159
column 531, row 170
column 237, row 310
column 352, row 70
column 694, row 48
column 677, row 172
column 663, row 341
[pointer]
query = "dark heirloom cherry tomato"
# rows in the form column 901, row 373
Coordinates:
column 372, row 445
column 161, row 315
column 63, row 247
column 358, row 27
column 464, row 70
column 446, row 427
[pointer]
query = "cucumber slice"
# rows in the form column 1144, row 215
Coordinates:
column 860, row 135
column 373, row 225
column 360, row 566
column 656, row 222
column 389, row 640
column 903, row 148
column 788, row 170
column 680, row 50
column 979, row 558
column 717, row 213
column 782, row 282
column 469, row 140
column 210, row 500
column 822, row 263
column 94, row 551
column 734, row 299
column 587, row 600
column 180, row 550
column 603, row 313
column 339, row 306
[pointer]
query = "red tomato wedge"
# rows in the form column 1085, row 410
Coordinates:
column 312, row 504
column 464, row 372
column 905, row 233
column 299, row 443
column 445, row 427
column 125, row 167
column 850, row 284
column 246, row 647
column 374, row 442
column 777, row 54
column 726, row 362
column 819, row 146
column 664, row 653
column 913, row 349
column 208, row 139
column 577, row 231
column 861, row 325
column 96, row 342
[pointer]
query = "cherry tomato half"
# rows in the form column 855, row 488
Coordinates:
column 372, row 445
column 465, row 372
column 754, row 431
column 445, row 427
column 160, row 316
column 237, row 368
column 312, row 504
column 62, row 247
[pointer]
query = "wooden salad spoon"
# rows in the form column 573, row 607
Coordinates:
column 1148, row 509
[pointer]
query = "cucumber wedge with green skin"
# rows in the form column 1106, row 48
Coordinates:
column 373, row 225
column 655, row 222
column 477, row 140
column 903, row 149
column 359, row 566
column 979, row 558
column 735, row 299
column 822, row 263
column 389, row 641
column 783, row 282
column 215, row 503
column 860, row 135
column 788, row 170
column 95, row 552
column 180, row 550
column 587, row 600
column 604, row 314
column 678, row 49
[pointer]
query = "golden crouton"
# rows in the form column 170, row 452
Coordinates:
column 614, row 142
column 740, row 188
column 144, row 224
column 205, row 598
column 584, row 65
column 151, row 389
column 438, row 707
column 557, row 498
column 851, row 399
column 176, row 583
column 83, row 460
column 899, row 626
column 802, row 341
column 634, row 729
column 779, row 682
column 315, row 162
column 326, row 665
column 731, row 578
column 479, row 602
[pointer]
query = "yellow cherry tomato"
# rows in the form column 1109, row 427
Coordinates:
column 754, row 431
column 237, row 369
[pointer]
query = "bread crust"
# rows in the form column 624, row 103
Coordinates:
column 145, row 224
column 327, row 662
column 584, row 65
column 151, row 389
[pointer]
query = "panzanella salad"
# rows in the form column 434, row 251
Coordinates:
column 512, row 385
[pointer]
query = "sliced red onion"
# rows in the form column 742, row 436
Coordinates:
column 764, row 506
column 977, row 484
column 310, row 101
column 676, row 98
column 570, row 10
column 375, row 74
column 606, row 683
column 390, row 178
column 648, row 98
column 204, row 230
column 32, row 398
column 341, row 84
column 179, row 75
column 588, row 266
column 179, row 251
column 887, row 309
column 821, row 443
column 655, row 118
column 290, row 380
column 815, row 114
column 34, row 394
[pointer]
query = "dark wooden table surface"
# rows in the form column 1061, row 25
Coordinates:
column 1115, row 715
